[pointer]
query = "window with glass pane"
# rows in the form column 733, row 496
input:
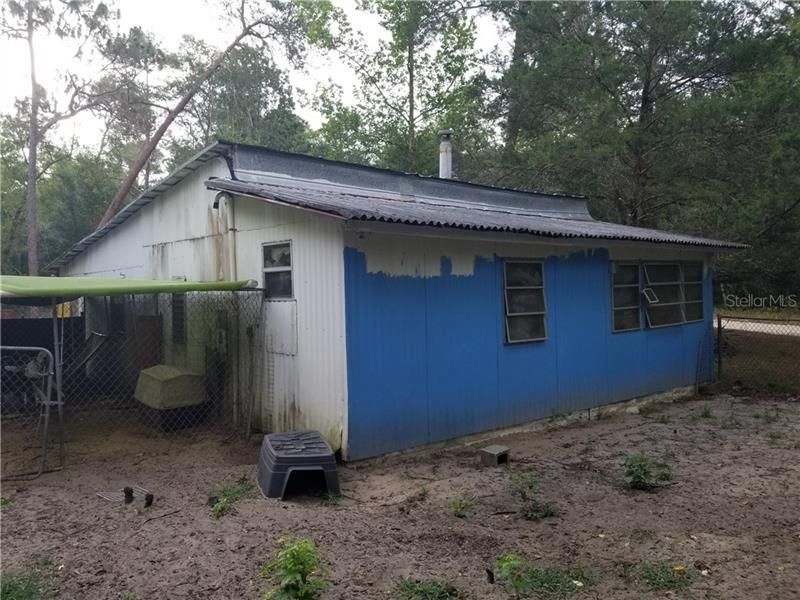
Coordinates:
column 693, row 291
column 178, row 317
column 625, row 297
column 524, row 300
column 666, row 282
column 278, row 270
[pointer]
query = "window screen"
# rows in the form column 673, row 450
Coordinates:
column 625, row 297
column 278, row 270
column 524, row 300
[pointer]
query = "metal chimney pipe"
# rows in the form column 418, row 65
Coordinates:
column 445, row 154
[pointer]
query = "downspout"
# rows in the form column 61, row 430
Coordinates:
column 230, row 234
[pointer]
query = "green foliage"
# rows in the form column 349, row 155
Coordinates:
column 294, row 572
column 24, row 586
column 526, row 580
column 462, row 506
column 224, row 496
column 525, row 489
column 643, row 473
column 427, row 589
column 659, row 576
column 333, row 499
column 706, row 412
column 6, row 501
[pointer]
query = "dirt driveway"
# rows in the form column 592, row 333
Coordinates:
column 730, row 515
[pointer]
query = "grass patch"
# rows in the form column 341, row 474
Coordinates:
column 428, row 589
column 295, row 572
column 462, row 506
column 640, row 534
column 34, row 582
column 761, row 360
column 706, row 412
column 5, row 502
column 643, row 473
column 526, row 580
column 224, row 496
column 659, row 576
column 525, row 490
column 773, row 436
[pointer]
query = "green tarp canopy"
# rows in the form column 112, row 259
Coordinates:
column 14, row 288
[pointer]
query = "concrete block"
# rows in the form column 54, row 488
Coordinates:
column 494, row 455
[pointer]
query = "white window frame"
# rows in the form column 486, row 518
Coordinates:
column 290, row 268
column 614, row 286
column 542, row 313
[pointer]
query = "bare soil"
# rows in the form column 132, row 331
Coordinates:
column 731, row 510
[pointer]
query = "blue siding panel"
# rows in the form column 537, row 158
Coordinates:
column 427, row 358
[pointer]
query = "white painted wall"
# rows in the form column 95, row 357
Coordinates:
column 301, row 362
column 305, row 374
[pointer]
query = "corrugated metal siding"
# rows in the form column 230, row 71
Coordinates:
column 308, row 386
column 426, row 355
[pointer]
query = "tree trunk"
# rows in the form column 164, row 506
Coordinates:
column 31, row 214
column 512, row 127
column 412, row 133
column 152, row 143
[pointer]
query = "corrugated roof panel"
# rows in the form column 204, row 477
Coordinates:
column 397, row 208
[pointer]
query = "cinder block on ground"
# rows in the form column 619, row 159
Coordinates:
column 494, row 455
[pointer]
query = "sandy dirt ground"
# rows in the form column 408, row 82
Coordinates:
column 732, row 509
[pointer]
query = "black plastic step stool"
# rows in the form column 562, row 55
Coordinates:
column 285, row 453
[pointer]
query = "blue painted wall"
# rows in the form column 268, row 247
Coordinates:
column 427, row 359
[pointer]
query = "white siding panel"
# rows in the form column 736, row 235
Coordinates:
column 312, row 393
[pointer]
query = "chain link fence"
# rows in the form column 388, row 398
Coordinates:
column 131, row 367
column 756, row 352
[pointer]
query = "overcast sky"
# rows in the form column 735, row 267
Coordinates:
column 168, row 21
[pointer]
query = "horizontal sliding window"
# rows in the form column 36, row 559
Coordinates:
column 524, row 301
column 625, row 296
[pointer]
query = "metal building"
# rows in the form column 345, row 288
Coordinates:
column 403, row 310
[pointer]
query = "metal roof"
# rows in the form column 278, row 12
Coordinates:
column 371, row 193
column 381, row 206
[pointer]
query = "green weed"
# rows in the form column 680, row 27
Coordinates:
column 706, row 413
column 5, row 502
column 34, row 582
column 461, row 506
column 643, row 473
column 525, row 490
column 295, row 572
column 333, row 499
column 525, row 580
column 429, row 589
column 661, row 575
column 224, row 496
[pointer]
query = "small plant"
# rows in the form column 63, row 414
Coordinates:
column 223, row 498
column 639, row 534
column 661, row 575
column 706, row 413
column 770, row 417
column 644, row 474
column 773, row 436
column 333, row 499
column 5, row 502
column 543, row 582
column 461, row 506
column 731, row 422
column 525, row 490
column 429, row 589
column 294, row 572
